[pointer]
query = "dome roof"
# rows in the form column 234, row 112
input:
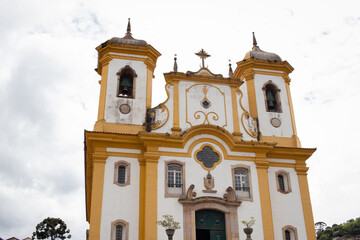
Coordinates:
column 128, row 39
column 257, row 53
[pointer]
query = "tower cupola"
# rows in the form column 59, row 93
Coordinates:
column 259, row 54
column 126, row 67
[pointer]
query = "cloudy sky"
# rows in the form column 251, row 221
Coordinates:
column 49, row 90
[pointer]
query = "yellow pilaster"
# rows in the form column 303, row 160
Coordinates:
column 149, row 88
column 103, row 83
column 176, row 119
column 142, row 198
column 99, row 159
column 250, row 85
column 288, row 93
column 306, row 203
column 148, row 195
column 237, row 133
column 262, row 165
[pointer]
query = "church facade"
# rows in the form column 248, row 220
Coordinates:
column 217, row 151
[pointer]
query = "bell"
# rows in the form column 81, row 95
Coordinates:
column 271, row 100
column 125, row 91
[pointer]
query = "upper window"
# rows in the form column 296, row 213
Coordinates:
column 283, row 181
column 272, row 97
column 119, row 230
column 122, row 173
column 126, row 82
column 175, row 179
column 241, row 182
column 289, row 233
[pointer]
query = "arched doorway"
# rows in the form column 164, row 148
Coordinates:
column 210, row 225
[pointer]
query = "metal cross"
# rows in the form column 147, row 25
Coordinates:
column 202, row 54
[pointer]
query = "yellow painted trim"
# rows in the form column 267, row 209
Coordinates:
column 306, row 205
column 244, row 66
column 176, row 118
column 118, row 128
column 103, row 86
column 149, row 88
column 142, row 59
column 99, row 159
column 120, row 154
column 142, row 188
column 201, row 79
column 201, row 163
column 105, row 50
column 268, row 227
column 280, row 141
column 235, row 112
column 163, row 106
column 250, row 86
column 292, row 113
column 150, row 197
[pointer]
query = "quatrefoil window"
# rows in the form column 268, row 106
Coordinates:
column 207, row 157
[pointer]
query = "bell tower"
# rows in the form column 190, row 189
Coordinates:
column 126, row 67
column 268, row 90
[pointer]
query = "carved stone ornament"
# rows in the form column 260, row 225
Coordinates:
column 189, row 193
column 209, row 183
column 229, row 198
column 275, row 122
column 125, row 108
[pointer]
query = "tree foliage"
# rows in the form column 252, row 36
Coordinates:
column 53, row 228
column 346, row 230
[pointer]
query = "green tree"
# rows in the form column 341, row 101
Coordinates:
column 53, row 228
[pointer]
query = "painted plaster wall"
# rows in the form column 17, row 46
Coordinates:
column 138, row 104
column 242, row 120
column 120, row 202
column 166, row 128
column 193, row 99
column 194, row 174
column 266, row 129
column 286, row 208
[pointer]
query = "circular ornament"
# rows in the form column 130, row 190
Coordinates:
column 125, row 108
column 275, row 122
column 205, row 103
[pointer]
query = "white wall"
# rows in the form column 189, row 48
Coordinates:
column 194, row 97
column 138, row 104
column 287, row 208
column 266, row 129
column 120, row 202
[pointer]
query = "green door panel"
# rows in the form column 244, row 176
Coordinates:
column 210, row 221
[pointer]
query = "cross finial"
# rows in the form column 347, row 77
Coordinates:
column 254, row 40
column 202, row 54
column 128, row 30
column 175, row 64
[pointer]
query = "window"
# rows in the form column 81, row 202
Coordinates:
column 174, row 179
column 289, row 233
column 272, row 97
column 241, row 182
column 283, row 181
column 122, row 173
column 126, row 82
column 119, row 230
